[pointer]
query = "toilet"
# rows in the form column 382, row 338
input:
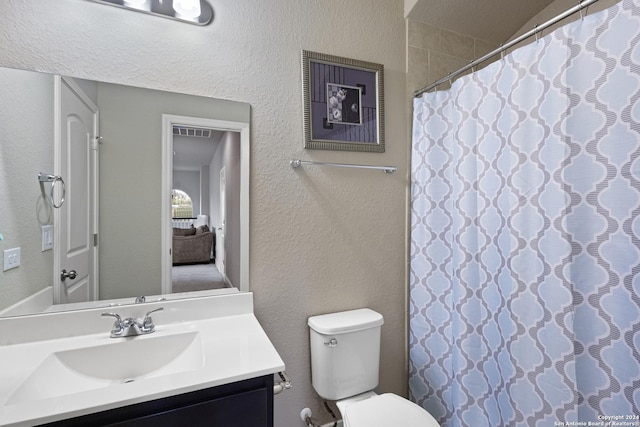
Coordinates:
column 345, row 361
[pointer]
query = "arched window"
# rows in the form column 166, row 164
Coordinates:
column 181, row 205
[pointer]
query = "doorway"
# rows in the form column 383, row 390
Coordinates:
column 197, row 173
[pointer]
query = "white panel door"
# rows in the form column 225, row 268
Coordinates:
column 77, row 216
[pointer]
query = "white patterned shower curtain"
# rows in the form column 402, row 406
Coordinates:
column 525, row 234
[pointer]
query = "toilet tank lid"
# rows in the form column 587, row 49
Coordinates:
column 345, row 321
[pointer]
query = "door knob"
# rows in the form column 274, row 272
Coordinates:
column 71, row 275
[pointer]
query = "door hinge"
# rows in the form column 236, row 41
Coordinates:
column 96, row 142
column 95, row 239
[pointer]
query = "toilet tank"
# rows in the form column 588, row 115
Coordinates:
column 345, row 352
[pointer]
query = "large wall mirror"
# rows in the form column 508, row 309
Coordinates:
column 155, row 193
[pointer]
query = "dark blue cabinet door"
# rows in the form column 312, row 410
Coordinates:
column 246, row 403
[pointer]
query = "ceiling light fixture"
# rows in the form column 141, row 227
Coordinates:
column 198, row 12
column 187, row 8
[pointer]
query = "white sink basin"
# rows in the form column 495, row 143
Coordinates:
column 64, row 365
column 122, row 361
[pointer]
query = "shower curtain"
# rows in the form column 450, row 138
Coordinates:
column 525, row 234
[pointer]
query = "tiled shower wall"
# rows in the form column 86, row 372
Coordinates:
column 434, row 52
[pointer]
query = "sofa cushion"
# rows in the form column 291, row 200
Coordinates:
column 180, row 232
column 202, row 229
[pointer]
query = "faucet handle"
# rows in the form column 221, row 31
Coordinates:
column 147, row 322
column 117, row 325
column 153, row 311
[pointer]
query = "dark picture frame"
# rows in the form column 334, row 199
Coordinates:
column 343, row 103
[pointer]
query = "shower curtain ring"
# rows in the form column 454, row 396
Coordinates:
column 537, row 32
column 583, row 11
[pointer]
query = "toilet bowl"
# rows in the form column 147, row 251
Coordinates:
column 386, row 409
column 345, row 362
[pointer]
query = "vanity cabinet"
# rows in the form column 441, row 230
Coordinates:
column 247, row 403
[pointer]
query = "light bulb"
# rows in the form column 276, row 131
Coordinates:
column 187, row 8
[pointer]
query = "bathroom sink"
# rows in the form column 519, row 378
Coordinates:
column 121, row 361
column 60, row 366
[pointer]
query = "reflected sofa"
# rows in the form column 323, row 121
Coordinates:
column 193, row 245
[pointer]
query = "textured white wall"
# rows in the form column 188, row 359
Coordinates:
column 321, row 239
column 26, row 120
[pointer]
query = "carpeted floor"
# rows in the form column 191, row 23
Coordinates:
column 196, row 277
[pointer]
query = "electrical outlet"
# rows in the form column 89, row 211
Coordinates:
column 11, row 259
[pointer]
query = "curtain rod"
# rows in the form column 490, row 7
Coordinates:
column 582, row 5
column 297, row 163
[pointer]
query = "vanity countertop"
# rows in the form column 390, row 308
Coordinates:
column 198, row 343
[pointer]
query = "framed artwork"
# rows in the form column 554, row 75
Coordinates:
column 343, row 103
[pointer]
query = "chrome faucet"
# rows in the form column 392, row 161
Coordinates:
column 131, row 327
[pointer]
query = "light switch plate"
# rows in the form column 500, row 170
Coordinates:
column 11, row 259
column 47, row 237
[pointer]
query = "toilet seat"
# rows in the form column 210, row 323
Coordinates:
column 387, row 410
